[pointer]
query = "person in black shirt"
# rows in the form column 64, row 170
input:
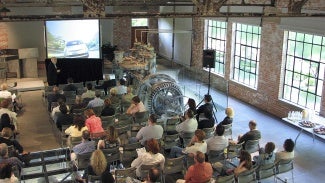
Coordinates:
column 108, row 109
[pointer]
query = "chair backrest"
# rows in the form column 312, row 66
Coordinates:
column 169, row 141
column 141, row 117
column 130, row 153
column 79, row 111
column 247, row 176
column 144, row 169
column 215, row 156
column 112, row 154
column 174, row 165
column 94, row 178
column 108, row 118
column 209, row 132
column 74, row 141
column 122, row 174
column 228, row 130
column 135, row 129
column 97, row 110
column 123, row 129
column 189, row 161
column 265, row 171
column 284, row 165
column 172, row 121
column 69, row 94
column 79, row 85
column 226, row 179
column 233, row 150
column 83, row 160
column 187, row 136
column 252, row 146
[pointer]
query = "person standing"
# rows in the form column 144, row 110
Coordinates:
column 52, row 72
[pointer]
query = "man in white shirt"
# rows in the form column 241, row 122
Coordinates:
column 89, row 93
column 121, row 88
column 197, row 144
column 189, row 125
column 288, row 152
column 218, row 142
column 152, row 131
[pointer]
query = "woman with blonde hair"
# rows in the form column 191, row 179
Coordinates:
column 113, row 96
column 230, row 116
column 98, row 167
column 111, row 140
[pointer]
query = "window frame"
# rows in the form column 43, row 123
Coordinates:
column 248, row 67
column 220, row 49
column 299, row 57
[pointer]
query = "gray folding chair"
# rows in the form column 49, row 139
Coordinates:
column 283, row 166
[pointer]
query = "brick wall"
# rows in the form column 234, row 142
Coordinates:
column 267, row 96
column 3, row 36
column 122, row 33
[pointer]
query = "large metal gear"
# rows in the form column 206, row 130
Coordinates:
column 161, row 95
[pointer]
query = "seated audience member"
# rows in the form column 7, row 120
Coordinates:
column 98, row 166
column 4, row 157
column 151, row 131
column 127, row 98
column 218, row 142
column 111, row 140
column 229, row 118
column 252, row 134
column 5, row 122
column 56, row 110
column 63, row 118
column 54, row 97
column 266, row 155
column 77, row 128
column 189, row 125
column 86, row 146
column 5, row 94
column 113, row 96
column 150, row 157
column 96, row 102
column 5, row 109
column 78, row 104
column 89, row 93
column 70, row 86
column 108, row 109
column 6, row 138
column 6, row 174
column 288, row 152
column 245, row 163
column 191, row 105
column 197, row 144
column 136, row 106
column 121, row 88
column 207, row 104
column 200, row 172
column 108, row 83
column 93, row 123
column 153, row 176
column 207, row 121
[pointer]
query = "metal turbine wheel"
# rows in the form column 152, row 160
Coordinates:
column 161, row 95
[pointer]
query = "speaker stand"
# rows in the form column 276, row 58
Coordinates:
column 209, row 85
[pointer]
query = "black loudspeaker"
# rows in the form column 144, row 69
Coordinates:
column 209, row 58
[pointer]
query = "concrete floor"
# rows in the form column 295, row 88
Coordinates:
column 36, row 134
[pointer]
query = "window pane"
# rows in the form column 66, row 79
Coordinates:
column 246, row 57
column 138, row 22
column 304, row 70
column 216, row 40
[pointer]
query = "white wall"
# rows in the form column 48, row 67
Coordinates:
column 27, row 35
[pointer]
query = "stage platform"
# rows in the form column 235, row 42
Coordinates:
column 26, row 84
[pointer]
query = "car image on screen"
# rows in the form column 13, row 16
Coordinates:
column 76, row 49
